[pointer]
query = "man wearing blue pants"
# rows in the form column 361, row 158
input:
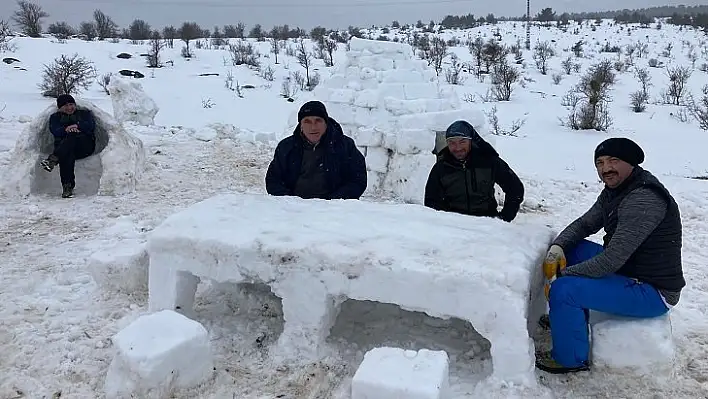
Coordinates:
column 637, row 271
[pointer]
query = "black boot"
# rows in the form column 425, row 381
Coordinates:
column 49, row 163
column 68, row 190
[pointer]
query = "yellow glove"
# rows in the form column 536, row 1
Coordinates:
column 555, row 262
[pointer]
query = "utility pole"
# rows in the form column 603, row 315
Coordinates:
column 528, row 24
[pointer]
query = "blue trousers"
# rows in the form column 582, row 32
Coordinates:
column 572, row 297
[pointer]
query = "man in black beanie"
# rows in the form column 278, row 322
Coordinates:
column 637, row 271
column 317, row 161
column 74, row 138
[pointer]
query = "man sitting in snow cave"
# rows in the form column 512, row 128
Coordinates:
column 317, row 160
column 637, row 271
column 463, row 178
column 74, row 138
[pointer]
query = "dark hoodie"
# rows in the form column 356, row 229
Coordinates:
column 333, row 169
column 467, row 186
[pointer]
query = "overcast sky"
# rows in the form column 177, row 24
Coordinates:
column 309, row 13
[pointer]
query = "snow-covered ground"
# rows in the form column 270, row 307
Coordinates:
column 56, row 323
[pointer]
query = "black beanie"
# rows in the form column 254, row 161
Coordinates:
column 64, row 99
column 622, row 148
column 312, row 108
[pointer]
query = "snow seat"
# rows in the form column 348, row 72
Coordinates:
column 113, row 168
column 314, row 254
column 642, row 347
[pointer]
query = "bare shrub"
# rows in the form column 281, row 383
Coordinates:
column 268, row 73
column 642, row 75
column 304, row 58
column 639, row 100
column 299, row 80
column 453, row 74
column 6, row 44
column 591, row 111
column 105, row 27
column 557, row 78
column 495, row 127
column 29, row 18
column 475, row 47
column 503, row 79
column 243, row 53
column 188, row 32
column 288, row 88
column 156, row 46
column 67, row 75
column 104, row 81
column 542, row 52
column 492, row 54
column 60, row 30
column 567, row 65
column 699, row 110
column 207, row 103
column 653, row 63
column 678, row 77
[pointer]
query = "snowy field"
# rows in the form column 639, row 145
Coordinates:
column 56, row 323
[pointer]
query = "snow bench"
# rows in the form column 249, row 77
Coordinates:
column 314, row 254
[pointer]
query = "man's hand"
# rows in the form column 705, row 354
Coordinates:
column 555, row 262
column 72, row 128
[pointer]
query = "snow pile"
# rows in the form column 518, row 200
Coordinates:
column 121, row 267
column 396, row 373
column 223, row 131
column 314, row 254
column 115, row 167
column 393, row 106
column 157, row 354
column 643, row 347
column 131, row 103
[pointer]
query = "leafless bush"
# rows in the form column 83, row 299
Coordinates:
column 104, row 81
column 475, row 48
column 229, row 80
column 298, row 79
column 88, row 30
column 642, row 49
column 557, row 78
column 243, row 53
column 207, row 103
column 156, row 46
column 188, row 32
column 290, row 51
column 470, row 98
column 639, row 100
column 570, row 99
column 681, row 115
column 644, row 78
column 503, row 79
column 315, row 79
column 304, row 58
column 6, row 44
column 699, row 109
column 29, row 18
column 667, row 50
column 67, row 75
column 678, row 77
column 268, row 73
column 434, row 52
column 653, row 63
column 105, row 27
column 493, row 53
column 327, row 46
column 567, row 65
column 590, row 111
column 542, row 52
column 453, row 74
column 495, row 127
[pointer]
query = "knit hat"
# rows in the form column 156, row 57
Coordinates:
column 622, row 148
column 312, row 108
column 460, row 129
column 64, row 99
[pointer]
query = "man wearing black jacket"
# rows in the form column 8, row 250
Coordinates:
column 464, row 176
column 317, row 161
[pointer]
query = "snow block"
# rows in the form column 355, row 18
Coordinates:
column 377, row 159
column 114, row 168
column 418, row 91
column 643, row 347
column 131, row 103
column 367, row 99
column 314, row 257
column 157, row 354
column 411, row 141
column 388, row 373
column 407, row 175
column 378, row 47
column 368, row 136
column 374, row 180
column 122, row 267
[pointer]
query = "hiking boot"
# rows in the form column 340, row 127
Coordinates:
column 68, row 190
column 545, row 362
column 49, row 163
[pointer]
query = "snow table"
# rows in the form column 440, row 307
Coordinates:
column 314, row 254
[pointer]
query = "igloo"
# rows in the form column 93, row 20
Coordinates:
column 114, row 167
column 396, row 110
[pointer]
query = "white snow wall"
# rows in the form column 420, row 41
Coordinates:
column 392, row 105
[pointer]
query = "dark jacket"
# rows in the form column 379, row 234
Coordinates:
column 657, row 261
column 467, row 186
column 81, row 117
column 344, row 165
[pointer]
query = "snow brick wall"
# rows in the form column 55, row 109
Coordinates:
column 393, row 105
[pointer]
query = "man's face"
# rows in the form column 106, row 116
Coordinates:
column 459, row 147
column 68, row 108
column 313, row 127
column 612, row 171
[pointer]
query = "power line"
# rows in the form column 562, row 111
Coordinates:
column 279, row 5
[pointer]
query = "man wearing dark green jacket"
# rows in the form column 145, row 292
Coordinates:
column 463, row 179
